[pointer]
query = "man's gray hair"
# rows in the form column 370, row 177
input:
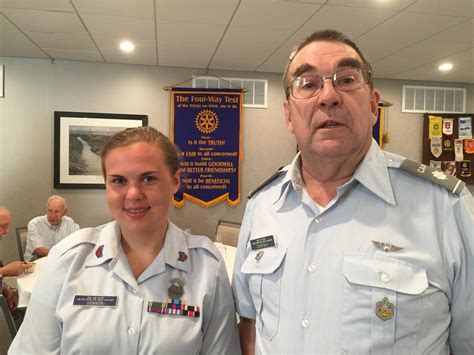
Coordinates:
column 56, row 197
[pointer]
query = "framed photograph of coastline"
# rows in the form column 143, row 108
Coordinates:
column 78, row 141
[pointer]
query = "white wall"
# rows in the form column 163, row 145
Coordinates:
column 35, row 88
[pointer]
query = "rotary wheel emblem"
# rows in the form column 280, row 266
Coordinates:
column 207, row 121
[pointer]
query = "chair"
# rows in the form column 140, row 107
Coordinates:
column 21, row 233
column 227, row 233
column 8, row 316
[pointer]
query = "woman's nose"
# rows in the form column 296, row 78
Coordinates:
column 134, row 192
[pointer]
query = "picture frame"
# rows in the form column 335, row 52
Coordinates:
column 78, row 140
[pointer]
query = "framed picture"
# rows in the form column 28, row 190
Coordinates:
column 78, row 141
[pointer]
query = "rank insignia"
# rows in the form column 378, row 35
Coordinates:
column 386, row 246
column 182, row 256
column 176, row 289
column 384, row 309
column 174, row 307
column 99, row 251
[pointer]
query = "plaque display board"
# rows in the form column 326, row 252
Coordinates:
column 447, row 150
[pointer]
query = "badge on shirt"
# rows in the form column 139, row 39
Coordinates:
column 99, row 251
column 384, row 309
column 386, row 246
column 263, row 242
column 176, row 289
column 174, row 307
column 182, row 256
column 95, row 301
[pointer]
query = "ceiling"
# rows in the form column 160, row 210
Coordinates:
column 403, row 39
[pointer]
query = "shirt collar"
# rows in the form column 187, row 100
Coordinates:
column 52, row 226
column 107, row 245
column 176, row 252
column 372, row 173
column 290, row 180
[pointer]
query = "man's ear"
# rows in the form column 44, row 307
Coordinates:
column 374, row 104
column 287, row 110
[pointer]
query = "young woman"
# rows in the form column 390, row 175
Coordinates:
column 137, row 285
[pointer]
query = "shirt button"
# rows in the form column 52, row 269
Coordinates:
column 317, row 219
column 384, row 277
column 135, row 291
column 131, row 331
column 305, row 323
column 311, row 268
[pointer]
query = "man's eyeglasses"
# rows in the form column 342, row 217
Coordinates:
column 50, row 211
column 347, row 79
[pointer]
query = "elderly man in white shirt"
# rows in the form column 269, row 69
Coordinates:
column 46, row 231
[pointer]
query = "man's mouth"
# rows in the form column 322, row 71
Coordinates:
column 329, row 124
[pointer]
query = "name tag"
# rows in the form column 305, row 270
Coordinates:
column 98, row 301
column 263, row 242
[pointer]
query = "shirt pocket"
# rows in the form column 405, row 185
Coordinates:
column 265, row 274
column 381, row 303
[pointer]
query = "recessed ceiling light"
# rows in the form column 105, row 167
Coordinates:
column 127, row 46
column 445, row 66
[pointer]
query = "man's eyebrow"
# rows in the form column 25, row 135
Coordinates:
column 349, row 62
column 303, row 68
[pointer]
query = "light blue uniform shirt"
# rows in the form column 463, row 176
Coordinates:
column 41, row 233
column 317, row 290
column 91, row 262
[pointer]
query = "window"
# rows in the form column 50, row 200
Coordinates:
column 255, row 96
column 421, row 99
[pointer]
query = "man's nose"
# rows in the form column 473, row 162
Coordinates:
column 329, row 95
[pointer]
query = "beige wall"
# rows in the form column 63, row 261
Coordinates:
column 35, row 88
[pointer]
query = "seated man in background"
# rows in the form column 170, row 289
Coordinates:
column 46, row 231
column 14, row 268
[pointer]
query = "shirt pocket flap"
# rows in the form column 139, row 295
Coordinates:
column 266, row 263
column 384, row 272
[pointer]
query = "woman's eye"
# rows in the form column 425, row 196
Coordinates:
column 117, row 181
column 149, row 179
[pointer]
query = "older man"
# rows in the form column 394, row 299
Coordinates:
column 350, row 249
column 14, row 268
column 45, row 231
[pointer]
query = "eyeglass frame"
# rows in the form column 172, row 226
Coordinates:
column 366, row 71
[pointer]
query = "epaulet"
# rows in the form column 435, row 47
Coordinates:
column 268, row 180
column 79, row 237
column 199, row 241
column 449, row 182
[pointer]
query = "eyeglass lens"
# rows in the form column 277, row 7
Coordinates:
column 344, row 80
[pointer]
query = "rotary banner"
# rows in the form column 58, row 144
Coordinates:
column 207, row 128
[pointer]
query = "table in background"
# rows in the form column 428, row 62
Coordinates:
column 26, row 282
